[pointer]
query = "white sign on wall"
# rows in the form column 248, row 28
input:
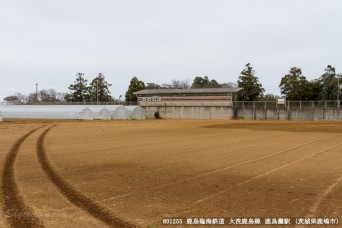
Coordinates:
column 281, row 100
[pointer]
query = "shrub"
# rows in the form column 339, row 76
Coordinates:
column 157, row 115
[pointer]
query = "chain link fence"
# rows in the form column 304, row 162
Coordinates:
column 288, row 104
column 236, row 104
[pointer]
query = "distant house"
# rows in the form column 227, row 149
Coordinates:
column 187, row 97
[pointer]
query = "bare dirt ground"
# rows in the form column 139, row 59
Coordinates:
column 134, row 173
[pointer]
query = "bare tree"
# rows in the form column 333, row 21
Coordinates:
column 166, row 86
column 32, row 97
column 16, row 98
column 44, row 96
column 50, row 95
column 22, row 98
column 53, row 93
column 177, row 84
column 61, row 96
column 229, row 85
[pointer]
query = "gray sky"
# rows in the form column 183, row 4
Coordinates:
column 48, row 42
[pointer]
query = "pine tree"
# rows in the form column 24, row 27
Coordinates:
column 79, row 90
column 99, row 89
column 251, row 88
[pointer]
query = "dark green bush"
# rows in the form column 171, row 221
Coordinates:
column 157, row 115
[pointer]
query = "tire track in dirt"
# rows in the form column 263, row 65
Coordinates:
column 167, row 167
column 172, row 166
column 319, row 200
column 220, row 155
column 120, row 151
column 268, row 172
column 222, row 169
column 191, row 151
column 75, row 197
column 194, row 150
column 200, row 201
column 266, row 156
column 17, row 213
column 323, row 195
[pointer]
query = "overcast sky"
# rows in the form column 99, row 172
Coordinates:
column 48, row 42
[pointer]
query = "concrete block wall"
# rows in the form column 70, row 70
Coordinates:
column 190, row 112
column 319, row 114
column 333, row 114
column 222, row 112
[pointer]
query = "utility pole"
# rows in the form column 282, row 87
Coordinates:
column 97, row 92
column 36, row 92
column 338, row 90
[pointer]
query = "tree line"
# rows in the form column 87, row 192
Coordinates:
column 46, row 95
column 97, row 90
column 293, row 86
column 199, row 82
column 80, row 91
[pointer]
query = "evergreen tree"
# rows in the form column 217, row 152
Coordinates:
column 204, row 82
column 78, row 90
column 251, row 88
column 152, row 86
column 329, row 83
column 99, row 89
column 134, row 86
column 294, row 85
column 314, row 90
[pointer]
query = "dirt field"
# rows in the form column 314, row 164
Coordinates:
column 135, row 173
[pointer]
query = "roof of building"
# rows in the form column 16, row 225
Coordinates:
column 188, row 91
